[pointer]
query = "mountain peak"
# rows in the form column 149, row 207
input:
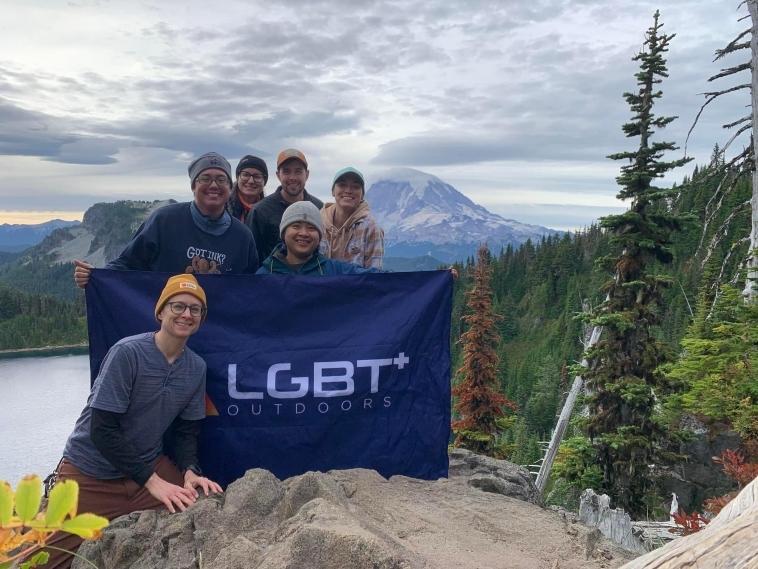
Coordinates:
column 416, row 178
column 419, row 208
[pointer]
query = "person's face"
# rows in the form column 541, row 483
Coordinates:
column 348, row 193
column 250, row 183
column 211, row 189
column 292, row 175
column 184, row 324
column 301, row 239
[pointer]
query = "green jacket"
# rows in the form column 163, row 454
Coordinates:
column 317, row 265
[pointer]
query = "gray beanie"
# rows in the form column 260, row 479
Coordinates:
column 301, row 211
column 206, row 162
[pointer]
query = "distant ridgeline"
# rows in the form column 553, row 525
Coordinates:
column 538, row 289
column 538, row 286
column 41, row 306
column 105, row 229
column 15, row 238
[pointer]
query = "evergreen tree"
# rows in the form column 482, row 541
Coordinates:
column 540, row 410
column 623, row 377
column 479, row 404
column 718, row 367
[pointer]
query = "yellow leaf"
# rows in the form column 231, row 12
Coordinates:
column 6, row 503
column 62, row 502
column 86, row 526
column 5, row 537
column 28, row 497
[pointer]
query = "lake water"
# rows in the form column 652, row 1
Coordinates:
column 40, row 400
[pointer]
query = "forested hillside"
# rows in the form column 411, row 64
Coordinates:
column 33, row 320
column 540, row 289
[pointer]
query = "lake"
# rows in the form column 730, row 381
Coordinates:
column 40, row 400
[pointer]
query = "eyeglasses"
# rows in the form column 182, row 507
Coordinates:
column 245, row 176
column 221, row 181
column 178, row 308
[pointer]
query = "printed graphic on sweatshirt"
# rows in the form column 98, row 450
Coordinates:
column 203, row 261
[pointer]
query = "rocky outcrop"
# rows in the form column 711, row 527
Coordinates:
column 354, row 519
column 105, row 229
column 492, row 475
column 697, row 477
column 102, row 235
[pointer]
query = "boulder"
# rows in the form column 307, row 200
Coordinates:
column 356, row 518
column 492, row 475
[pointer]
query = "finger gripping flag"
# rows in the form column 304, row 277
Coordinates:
column 307, row 373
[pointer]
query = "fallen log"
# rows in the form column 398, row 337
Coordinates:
column 730, row 541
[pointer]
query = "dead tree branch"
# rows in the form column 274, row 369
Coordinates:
column 716, row 284
column 709, row 98
column 735, row 123
column 731, row 71
column 736, row 134
column 721, row 232
column 733, row 45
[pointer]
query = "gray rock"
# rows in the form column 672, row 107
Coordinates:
column 257, row 492
column 350, row 519
column 241, row 553
column 309, row 486
column 698, row 477
column 492, row 475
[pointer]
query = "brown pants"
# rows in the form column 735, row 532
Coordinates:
column 107, row 498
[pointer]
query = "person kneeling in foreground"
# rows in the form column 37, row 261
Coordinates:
column 301, row 231
column 146, row 382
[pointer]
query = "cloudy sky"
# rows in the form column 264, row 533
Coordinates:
column 514, row 102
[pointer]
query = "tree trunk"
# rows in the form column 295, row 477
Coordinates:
column 751, row 282
column 560, row 428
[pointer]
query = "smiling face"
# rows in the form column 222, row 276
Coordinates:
column 301, row 239
column 292, row 175
column 212, row 190
column 250, row 184
column 180, row 325
column 348, row 193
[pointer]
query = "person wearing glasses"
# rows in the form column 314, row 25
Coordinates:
column 192, row 237
column 252, row 176
column 292, row 172
column 145, row 384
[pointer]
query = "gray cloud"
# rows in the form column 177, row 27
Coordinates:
column 441, row 149
column 314, row 68
column 28, row 133
column 558, row 101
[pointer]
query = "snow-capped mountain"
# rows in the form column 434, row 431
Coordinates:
column 423, row 215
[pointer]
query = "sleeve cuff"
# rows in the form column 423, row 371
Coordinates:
column 142, row 475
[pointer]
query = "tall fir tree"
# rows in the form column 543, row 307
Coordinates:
column 479, row 404
column 622, row 377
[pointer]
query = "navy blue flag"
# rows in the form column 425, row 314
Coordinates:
column 307, row 373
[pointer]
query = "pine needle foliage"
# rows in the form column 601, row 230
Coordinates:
column 479, row 405
column 718, row 369
column 622, row 378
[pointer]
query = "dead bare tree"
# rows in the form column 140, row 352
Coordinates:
column 745, row 162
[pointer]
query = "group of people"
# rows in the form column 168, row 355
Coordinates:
column 233, row 227
column 152, row 384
